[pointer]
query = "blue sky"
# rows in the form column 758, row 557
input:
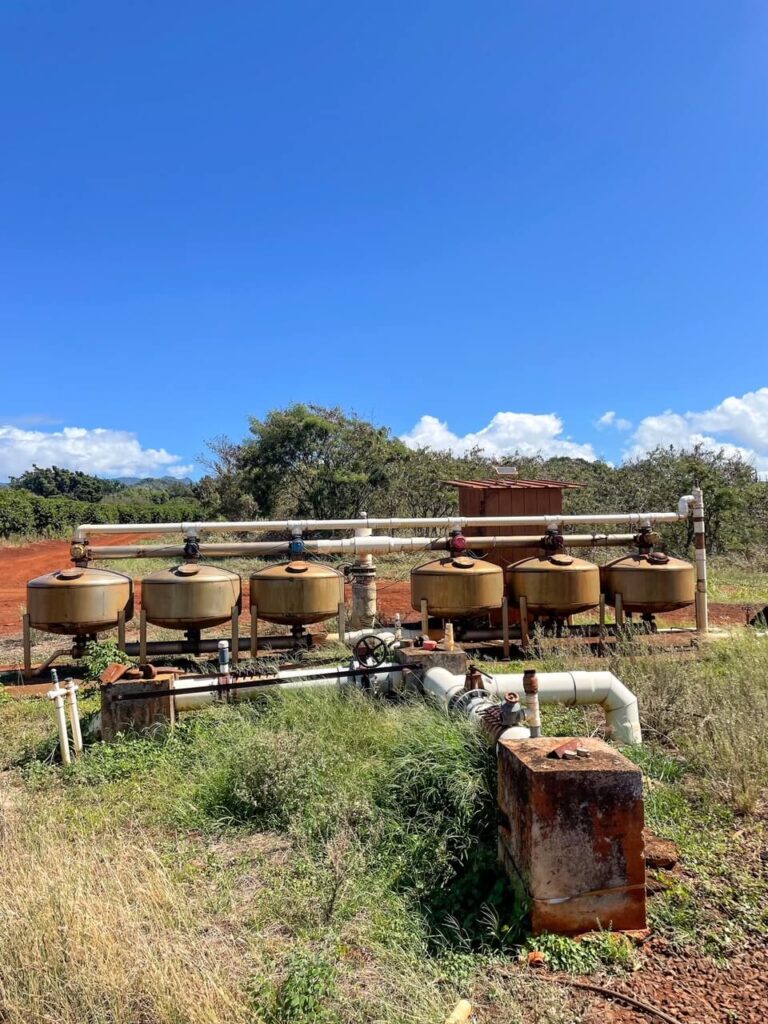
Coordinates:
column 494, row 221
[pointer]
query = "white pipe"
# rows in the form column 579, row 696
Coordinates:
column 444, row 522
column 74, row 717
column 700, row 549
column 57, row 696
column 603, row 688
column 287, row 679
column 363, row 546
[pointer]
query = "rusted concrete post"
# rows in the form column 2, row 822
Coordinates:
column 572, row 835
column 363, row 612
column 140, row 715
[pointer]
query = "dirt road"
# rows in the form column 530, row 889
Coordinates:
column 20, row 564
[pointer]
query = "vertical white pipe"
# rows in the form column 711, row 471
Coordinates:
column 700, row 542
column 57, row 696
column 74, row 716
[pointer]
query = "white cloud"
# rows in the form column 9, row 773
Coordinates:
column 610, row 419
column 743, row 419
column 527, row 433
column 100, row 451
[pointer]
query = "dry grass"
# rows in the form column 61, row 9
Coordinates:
column 98, row 929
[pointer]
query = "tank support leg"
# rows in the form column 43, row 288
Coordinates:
column 602, row 614
column 26, row 633
column 618, row 606
column 143, row 637
column 342, row 622
column 235, row 644
column 524, row 622
column 254, row 630
column 505, row 627
column 424, row 617
column 121, row 631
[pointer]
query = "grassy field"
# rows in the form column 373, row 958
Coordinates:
column 331, row 858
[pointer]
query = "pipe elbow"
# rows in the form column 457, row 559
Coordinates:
column 684, row 505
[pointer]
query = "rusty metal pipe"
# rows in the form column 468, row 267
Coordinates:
column 155, row 647
column 351, row 545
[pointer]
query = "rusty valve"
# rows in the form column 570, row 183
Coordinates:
column 473, row 679
column 79, row 551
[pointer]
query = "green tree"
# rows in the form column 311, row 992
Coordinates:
column 55, row 482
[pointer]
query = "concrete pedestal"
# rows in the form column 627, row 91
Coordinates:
column 142, row 715
column 571, row 837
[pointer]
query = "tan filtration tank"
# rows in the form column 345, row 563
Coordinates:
column 457, row 587
column 190, row 596
column 297, row 593
column 649, row 582
column 557, row 585
column 78, row 601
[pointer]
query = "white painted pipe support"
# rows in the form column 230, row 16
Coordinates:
column 57, row 696
column 74, row 716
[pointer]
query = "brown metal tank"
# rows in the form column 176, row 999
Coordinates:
column 297, row 593
column 457, row 587
column 190, row 596
column 556, row 585
column 649, row 582
column 79, row 601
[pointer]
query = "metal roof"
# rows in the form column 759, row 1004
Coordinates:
column 502, row 483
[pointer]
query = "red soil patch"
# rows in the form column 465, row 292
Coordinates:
column 20, row 564
column 692, row 989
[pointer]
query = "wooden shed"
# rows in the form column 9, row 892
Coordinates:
column 510, row 496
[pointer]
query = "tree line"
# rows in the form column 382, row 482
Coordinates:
column 311, row 462
column 307, row 461
column 50, row 501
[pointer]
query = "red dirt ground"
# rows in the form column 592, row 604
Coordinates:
column 19, row 564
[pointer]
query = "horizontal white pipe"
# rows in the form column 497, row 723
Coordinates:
column 350, row 545
column 188, row 701
column 603, row 688
column 441, row 522
column 287, row 679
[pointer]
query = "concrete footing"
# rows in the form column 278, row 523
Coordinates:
column 571, row 838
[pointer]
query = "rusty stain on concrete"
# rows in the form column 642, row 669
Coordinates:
column 572, row 837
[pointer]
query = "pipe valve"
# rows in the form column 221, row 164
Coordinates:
column 457, row 542
column 553, row 540
column 78, row 552
column 191, row 549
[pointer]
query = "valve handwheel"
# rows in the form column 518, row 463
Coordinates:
column 371, row 651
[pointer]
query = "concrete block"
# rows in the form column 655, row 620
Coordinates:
column 141, row 715
column 416, row 658
column 571, row 837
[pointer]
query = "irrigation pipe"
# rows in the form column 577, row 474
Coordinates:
column 610, row 993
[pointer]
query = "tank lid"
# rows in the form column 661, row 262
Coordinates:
column 193, row 572
column 298, row 567
column 552, row 563
column 187, row 569
column 461, row 564
column 80, row 577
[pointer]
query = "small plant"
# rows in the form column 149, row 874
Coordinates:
column 303, row 994
column 100, row 653
column 599, row 950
